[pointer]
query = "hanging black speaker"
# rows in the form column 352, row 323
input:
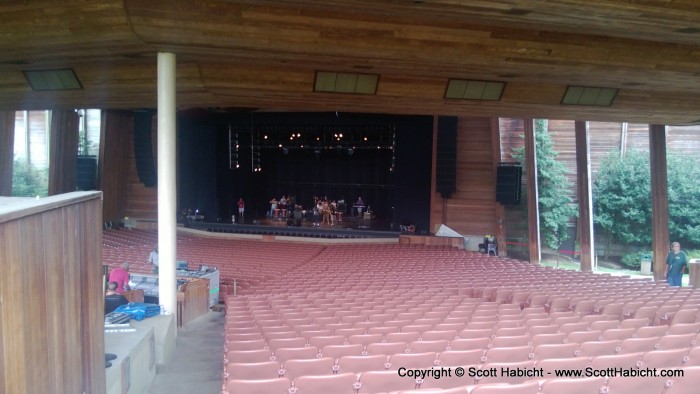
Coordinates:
column 143, row 148
column 446, row 161
column 86, row 172
column 508, row 183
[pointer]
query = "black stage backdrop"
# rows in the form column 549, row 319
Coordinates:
column 321, row 168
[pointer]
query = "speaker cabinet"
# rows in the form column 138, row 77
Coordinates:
column 446, row 161
column 143, row 148
column 508, row 183
column 86, row 172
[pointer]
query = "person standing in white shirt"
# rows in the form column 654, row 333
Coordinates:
column 153, row 259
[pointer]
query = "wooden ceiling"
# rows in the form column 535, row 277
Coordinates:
column 264, row 54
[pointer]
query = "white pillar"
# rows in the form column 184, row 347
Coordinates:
column 167, row 204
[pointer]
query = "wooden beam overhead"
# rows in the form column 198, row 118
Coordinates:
column 264, row 54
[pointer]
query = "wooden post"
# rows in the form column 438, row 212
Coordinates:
column 433, row 184
column 7, row 146
column 585, row 201
column 500, row 211
column 533, row 211
column 659, row 199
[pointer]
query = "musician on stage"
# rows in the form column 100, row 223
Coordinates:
column 282, row 205
column 326, row 213
column 333, row 206
column 318, row 206
column 359, row 205
column 273, row 206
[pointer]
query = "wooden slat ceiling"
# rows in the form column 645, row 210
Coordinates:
column 264, row 54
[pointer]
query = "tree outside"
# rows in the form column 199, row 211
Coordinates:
column 622, row 203
column 28, row 181
column 555, row 205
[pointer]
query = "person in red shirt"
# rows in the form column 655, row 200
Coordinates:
column 121, row 276
column 241, row 209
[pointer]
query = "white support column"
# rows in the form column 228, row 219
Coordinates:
column 167, row 204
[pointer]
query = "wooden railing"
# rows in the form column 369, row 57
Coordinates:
column 456, row 242
column 192, row 301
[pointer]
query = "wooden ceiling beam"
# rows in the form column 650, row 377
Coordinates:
column 265, row 53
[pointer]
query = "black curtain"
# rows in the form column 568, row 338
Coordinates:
column 209, row 181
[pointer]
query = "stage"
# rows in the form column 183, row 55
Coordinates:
column 349, row 227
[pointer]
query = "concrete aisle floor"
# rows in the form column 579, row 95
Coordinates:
column 198, row 359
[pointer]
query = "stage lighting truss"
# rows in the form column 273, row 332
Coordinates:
column 346, row 139
column 233, row 149
column 255, row 159
column 316, row 140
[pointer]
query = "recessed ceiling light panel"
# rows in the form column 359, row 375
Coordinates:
column 337, row 82
column 463, row 89
column 60, row 79
column 586, row 95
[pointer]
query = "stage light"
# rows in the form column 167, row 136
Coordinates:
column 298, row 134
column 265, row 137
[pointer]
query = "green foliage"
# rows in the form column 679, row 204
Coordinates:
column 684, row 199
column 631, row 261
column 27, row 181
column 555, row 205
column 634, row 260
column 622, row 199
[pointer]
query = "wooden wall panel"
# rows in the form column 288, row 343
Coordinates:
column 472, row 208
column 683, row 139
column 564, row 139
column 63, row 148
column 52, row 309
column 195, row 301
column 92, row 310
column 141, row 201
column 455, row 242
column 117, row 129
column 605, row 137
column 13, row 340
column 512, row 131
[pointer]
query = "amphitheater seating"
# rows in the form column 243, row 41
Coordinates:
column 344, row 318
